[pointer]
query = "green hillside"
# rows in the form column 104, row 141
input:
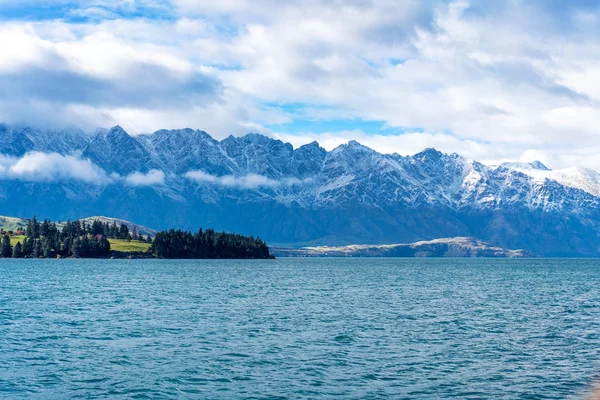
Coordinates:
column 142, row 230
column 13, row 223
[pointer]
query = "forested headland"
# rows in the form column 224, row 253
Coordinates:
column 78, row 239
column 207, row 244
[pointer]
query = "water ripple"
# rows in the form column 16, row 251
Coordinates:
column 287, row 329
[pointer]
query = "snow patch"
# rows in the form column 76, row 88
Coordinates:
column 579, row 178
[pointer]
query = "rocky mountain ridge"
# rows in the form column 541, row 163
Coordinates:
column 258, row 185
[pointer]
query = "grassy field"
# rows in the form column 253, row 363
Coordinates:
column 15, row 239
column 125, row 246
column 115, row 244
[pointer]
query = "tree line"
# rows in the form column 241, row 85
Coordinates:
column 46, row 240
column 207, row 244
column 81, row 240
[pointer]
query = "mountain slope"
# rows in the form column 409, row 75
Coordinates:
column 579, row 178
column 445, row 247
column 307, row 196
column 14, row 223
column 16, row 141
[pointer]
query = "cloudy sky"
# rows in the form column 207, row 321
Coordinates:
column 490, row 79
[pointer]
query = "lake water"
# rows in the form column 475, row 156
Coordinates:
column 299, row 328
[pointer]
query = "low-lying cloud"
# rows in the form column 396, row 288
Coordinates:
column 42, row 167
column 53, row 167
column 154, row 177
column 250, row 181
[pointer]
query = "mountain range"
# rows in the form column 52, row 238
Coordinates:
column 258, row 185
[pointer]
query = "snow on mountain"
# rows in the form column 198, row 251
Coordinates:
column 578, row 178
column 17, row 140
column 352, row 194
column 183, row 150
column 526, row 166
column 350, row 173
column 116, row 151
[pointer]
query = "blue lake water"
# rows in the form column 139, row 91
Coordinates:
column 299, row 328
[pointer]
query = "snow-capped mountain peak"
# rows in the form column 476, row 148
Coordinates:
column 573, row 177
column 534, row 165
column 257, row 184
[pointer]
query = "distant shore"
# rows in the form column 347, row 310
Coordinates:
column 102, row 239
column 461, row 247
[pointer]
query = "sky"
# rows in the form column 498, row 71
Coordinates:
column 511, row 80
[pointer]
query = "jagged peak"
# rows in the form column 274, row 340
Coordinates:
column 312, row 145
column 466, row 160
column 534, row 165
column 116, row 131
column 428, row 153
column 35, row 130
column 539, row 165
column 185, row 133
column 258, row 137
column 183, row 130
column 248, row 137
column 100, row 131
column 353, row 145
column 356, row 145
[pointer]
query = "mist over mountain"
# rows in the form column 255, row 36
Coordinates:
column 258, row 185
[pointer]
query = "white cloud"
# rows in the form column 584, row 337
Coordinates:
column 53, row 167
column 489, row 79
column 49, row 70
column 36, row 166
column 21, row 47
column 152, row 178
column 250, row 181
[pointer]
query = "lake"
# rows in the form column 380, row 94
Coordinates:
column 299, row 328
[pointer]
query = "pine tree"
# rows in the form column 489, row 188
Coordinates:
column 35, row 228
column 114, row 231
column 29, row 231
column 27, row 247
column 124, row 232
column 6, row 247
column 18, row 251
column 76, row 248
column 37, row 248
column 97, row 228
column 47, row 248
column 45, row 228
column 67, row 247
